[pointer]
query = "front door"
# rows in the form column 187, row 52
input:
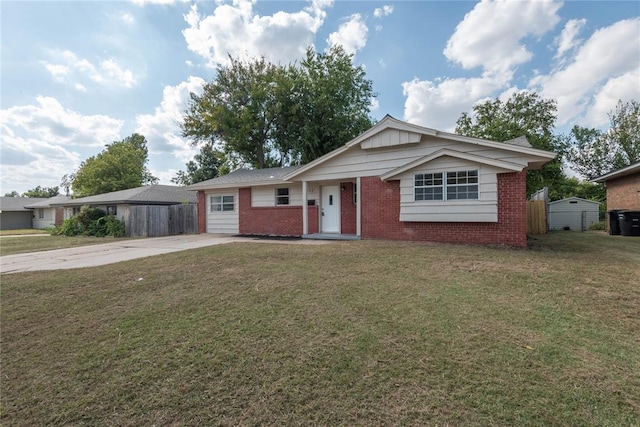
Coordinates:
column 330, row 209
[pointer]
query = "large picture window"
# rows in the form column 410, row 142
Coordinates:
column 282, row 196
column 222, row 203
column 460, row 185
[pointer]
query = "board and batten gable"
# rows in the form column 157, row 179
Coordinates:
column 222, row 222
column 484, row 209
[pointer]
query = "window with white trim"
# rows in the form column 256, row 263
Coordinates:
column 459, row 185
column 222, row 203
column 112, row 210
column 41, row 213
column 282, row 196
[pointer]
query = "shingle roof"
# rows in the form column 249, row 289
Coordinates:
column 16, row 204
column 46, row 203
column 629, row 170
column 244, row 177
column 146, row 195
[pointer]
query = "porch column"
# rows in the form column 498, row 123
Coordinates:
column 358, row 208
column 305, row 209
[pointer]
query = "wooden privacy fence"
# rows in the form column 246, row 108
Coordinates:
column 156, row 221
column 536, row 217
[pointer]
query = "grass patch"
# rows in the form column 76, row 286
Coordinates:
column 22, row 232
column 21, row 244
column 352, row 333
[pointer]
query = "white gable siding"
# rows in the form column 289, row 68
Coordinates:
column 391, row 137
column 223, row 222
column 356, row 162
column 577, row 216
column 485, row 209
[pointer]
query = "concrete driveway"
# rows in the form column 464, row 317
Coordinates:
column 109, row 253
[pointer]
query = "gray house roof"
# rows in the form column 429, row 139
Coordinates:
column 629, row 170
column 17, row 204
column 146, row 195
column 47, row 203
column 245, row 178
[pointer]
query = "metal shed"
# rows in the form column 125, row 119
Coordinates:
column 573, row 213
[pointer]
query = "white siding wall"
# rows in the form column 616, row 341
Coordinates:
column 265, row 196
column 377, row 161
column 485, row 209
column 223, row 222
column 49, row 219
column 563, row 214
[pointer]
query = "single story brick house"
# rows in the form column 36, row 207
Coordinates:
column 395, row 181
column 45, row 214
column 623, row 188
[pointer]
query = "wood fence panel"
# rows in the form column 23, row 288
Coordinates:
column 536, row 217
column 156, row 221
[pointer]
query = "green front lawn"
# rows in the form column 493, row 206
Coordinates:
column 351, row 333
column 21, row 244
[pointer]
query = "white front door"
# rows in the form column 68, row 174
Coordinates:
column 330, row 209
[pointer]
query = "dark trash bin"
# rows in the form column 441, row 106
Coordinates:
column 629, row 223
column 614, row 222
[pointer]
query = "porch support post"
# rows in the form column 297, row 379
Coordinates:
column 358, row 207
column 305, row 209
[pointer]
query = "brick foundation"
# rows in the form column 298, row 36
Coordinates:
column 624, row 193
column 381, row 213
column 276, row 221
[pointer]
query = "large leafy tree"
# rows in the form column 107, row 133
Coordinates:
column 120, row 166
column 205, row 165
column 524, row 114
column 44, row 192
column 266, row 115
column 592, row 152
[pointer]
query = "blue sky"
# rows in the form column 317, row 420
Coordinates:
column 77, row 75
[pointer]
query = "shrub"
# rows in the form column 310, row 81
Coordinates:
column 598, row 226
column 86, row 216
column 69, row 227
column 90, row 222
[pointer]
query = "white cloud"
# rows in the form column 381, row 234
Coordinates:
column 351, row 35
column 383, row 11
column 625, row 88
column 127, row 18
column 42, row 142
column 375, row 104
column 490, row 36
column 162, row 128
column 567, row 39
column 145, row 2
column 80, row 87
column 438, row 104
column 607, row 60
column 236, row 30
column 107, row 72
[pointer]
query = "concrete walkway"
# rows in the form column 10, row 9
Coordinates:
column 109, row 253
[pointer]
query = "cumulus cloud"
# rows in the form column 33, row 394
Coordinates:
column 162, row 127
column 236, row 30
column 127, row 18
column 380, row 12
column 69, row 68
column 351, row 35
column 607, row 60
column 567, row 39
column 42, row 142
column 490, row 36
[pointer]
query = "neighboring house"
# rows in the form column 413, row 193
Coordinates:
column 118, row 202
column 395, row 181
column 623, row 188
column 46, row 215
column 13, row 213
column 573, row 213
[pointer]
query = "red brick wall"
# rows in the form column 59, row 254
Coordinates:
column 381, row 213
column 347, row 209
column 202, row 212
column 624, row 193
column 276, row 220
column 59, row 216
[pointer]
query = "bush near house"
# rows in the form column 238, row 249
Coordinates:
column 90, row 222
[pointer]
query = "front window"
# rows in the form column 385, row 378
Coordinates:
column 112, row 210
column 41, row 213
column 461, row 185
column 222, row 203
column 282, row 196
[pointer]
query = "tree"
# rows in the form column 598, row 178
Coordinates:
column 265, row 115
column 44, row 192
column 205, row 165
column 593, row 153
column 14, row 193
column 524, row 114
column 121, row 165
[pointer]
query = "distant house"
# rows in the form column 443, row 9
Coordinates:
column 395, row 181
column 118, row 202
column 13, row 213
column 623, row 188
column 45, row 214
column 573, row 213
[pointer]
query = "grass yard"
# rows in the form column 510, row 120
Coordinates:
column 22, row 232
column 21, row 244
column 351, row 333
